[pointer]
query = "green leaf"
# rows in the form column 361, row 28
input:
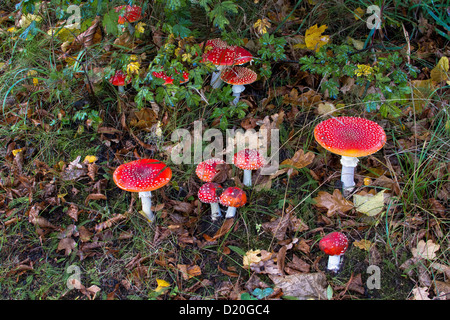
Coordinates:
column 110, row 22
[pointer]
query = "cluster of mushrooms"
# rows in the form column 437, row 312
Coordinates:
column 227, row 59
column 349, row 137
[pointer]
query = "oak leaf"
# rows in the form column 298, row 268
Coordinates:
column 333, row 202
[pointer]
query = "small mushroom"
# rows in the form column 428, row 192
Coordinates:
column 222, row 57
column 208, row 194
column 350, row 137
column 248, row 160
column 118, row 80
column 238, row 77
column 334, row 244
column 168, row 79
column 206, row 170
column 233, row 198
column 129, row 14
column 143, row 176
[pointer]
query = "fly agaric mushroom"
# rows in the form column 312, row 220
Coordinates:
column 207, row 194
column 143, row 176
column 206, row 170
column 350, row 137
column 232, row 197
column 334, row 244
column 238, row 77
column 225, row 56
column 129, row 14
column 248, row 160
column 168, row 79
column 118, row 80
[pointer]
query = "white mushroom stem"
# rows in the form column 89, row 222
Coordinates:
column 348, row 172
column 215, row 211
column 216, row 82
column 247, row 181
column 237, row 89
column 121, row 89
column 146, row 199
column 334, row 262
column 231, row 212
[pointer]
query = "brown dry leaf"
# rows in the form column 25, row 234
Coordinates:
column 73, row 212
column 297, row 265
column 94, row 196
column 34, row 218
column 91, row 36
column 279, row 226
column 85, row 234
column 144, row 119
column 420, row 293
column 333, row 203
column 189, row 271
column 363, row 244
column 108, row 223
column 251, row 256
column 442, row 290
column 66, row 244
column 298, row 161
column 74, row 170
column 425, row 250
column 303, row 286
column 226, row 226
column 440, row 71
column 422, row 92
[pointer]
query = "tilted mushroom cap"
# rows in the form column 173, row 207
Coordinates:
column 248, row 159
column 130, row 13
column 239, row 76
column 207, row 192
column 228, row 56
column 168, row 79
column 206, row 170
column 233, row 197
column 334, row 244
column 119, row 78
column 142, row 175
column 350, row 136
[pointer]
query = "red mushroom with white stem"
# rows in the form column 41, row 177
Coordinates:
column 118, row 80
column 334, row 244
column 223, row 57
column 143, row 176
column 238, row 77
column 233, row 198
column 206, row 170
column 129, row 14
column 208, row 194
column 248, row 160
column 350, row 137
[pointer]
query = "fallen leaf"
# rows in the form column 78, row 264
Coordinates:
column 189, row 271
column 66, row 244
column 369, row 204
column 440, row 72
column 162, row 284
column 251, row 256
column 314, row 39
column 363, row 244
column 298, row 161
column 425, row 250
column 420, row 293
column 226, row 226
column 333, row 203
column 302, row 286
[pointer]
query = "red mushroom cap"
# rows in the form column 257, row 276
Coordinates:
column 142, row 175
column 248, row 159
column 168, row 79
column 129, row 13
column 207, row 192
column 239, row 76
column 334, row 244
column 350, row 136
column 233, row 197
column 228, row 56
column 206, row 170
column 119, row 78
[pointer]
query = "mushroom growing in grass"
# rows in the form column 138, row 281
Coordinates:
column 223, row 57
column 238, row 77
column 206, row 170
column 334, row 244
column 350, row 137
column 169, row 79
column 143, row 176
column 118, row 80
column 233, row 198
column 129, row 14
column 208, row 194
column 248, row 160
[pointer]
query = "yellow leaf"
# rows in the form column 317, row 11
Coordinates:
column 262, row 25
column 363, row 244
column 358, row 13
column 16, row 151
column 252, row 256
column 140, row 27
column 162, row 284
column 35, row 81
column 133, row 67
column 370, row 205
column 314, row 39
column 90, row 159
column 440, row 71
column 363, row 70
